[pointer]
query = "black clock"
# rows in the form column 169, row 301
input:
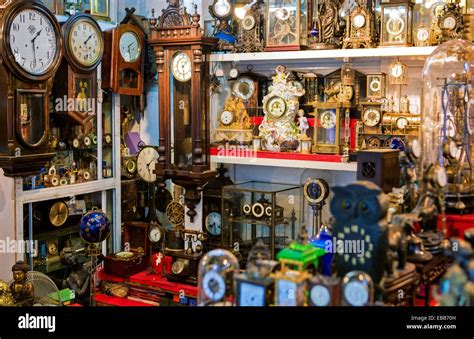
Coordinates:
column 316, row 191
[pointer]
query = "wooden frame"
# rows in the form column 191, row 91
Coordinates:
column 277, row 47
column 97, row 8
column 55, row 6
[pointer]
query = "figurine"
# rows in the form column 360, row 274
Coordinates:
column 303, row 123
column 405, row 104
column 6, row 298
column 79, row 279
column 391, row 105
column 23, row 292
column 328, row 25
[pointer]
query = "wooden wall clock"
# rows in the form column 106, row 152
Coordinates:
column 30, row 53
column 83, row 50
column 181, row 49
column 124, row 74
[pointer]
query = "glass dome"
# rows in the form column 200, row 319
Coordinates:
column 215, row 279
column 446, row 135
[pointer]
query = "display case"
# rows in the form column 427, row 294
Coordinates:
column 269, row 212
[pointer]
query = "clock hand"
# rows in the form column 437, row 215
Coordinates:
column 90, row 37
column 36, row 36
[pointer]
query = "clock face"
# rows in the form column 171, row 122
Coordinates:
column 33, row 42
column 251, row 295
column 286, row 293
column 316, row 190
column 244, row 88
column 423, row 34
column 416, row 148
column 371, row 117
column 214, row 286
column 449, row 23
column 282, row 14
column 108, row 138
column 258, row 210
column 130, row 49
column 397, row 70
column 214, row 223
column 328, row 120
column 76, row 143
column 131, row 166
column 356, row 293
column 402, row 123
column 454, row 150
column 375, row 85
column 52, row 248
column 395, row 25
column 359, row 21
column 86, row 42
column 178, row 267
column 248, row 23
column 146, row 162
column 87, row 175
column 227, row 118
column 277, row 107
column 346, row 92
column 320, row 296
column 222, row 8
column 87, row 141
column 441, row 176
column 58, row 214
column 155, row 234
column 181, row 67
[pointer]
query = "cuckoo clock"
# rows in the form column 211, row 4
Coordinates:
column 181, row 49
column 30, row 54
column 83, row 50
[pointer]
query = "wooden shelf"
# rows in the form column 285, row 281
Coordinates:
column 275, row 159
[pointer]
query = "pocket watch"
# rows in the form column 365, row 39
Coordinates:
column 181, row 67
column 371, row 117
column 244, row 88
column 213, row 223
column 328, row 120
column 146, row 162
column 226, row 118
column 357, row 289
column 108, row 139
column 316, row 191
column 58, row 214
column 277, row 107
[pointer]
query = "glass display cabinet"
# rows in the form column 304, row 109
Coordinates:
column 269, row 212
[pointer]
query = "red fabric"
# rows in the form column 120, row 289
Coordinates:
column 157, row 281
column 121, row 302
column 456, row 225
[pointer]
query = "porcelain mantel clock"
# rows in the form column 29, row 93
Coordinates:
column 30, row 55
column 183, row 67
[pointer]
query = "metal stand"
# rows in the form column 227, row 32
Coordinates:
column 317, row 217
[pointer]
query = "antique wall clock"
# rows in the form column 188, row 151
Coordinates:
column 83, row 50
column 222, row 11
column 360, row 28
column 249, row 31
column 183, row 69
column 31, row 53
column 397, row 23
column 283, row 25
column 123, row 69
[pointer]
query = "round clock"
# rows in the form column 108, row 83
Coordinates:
column 146, row 162
column 395, row 25
column 422, row 35
column 282, row 14
column 181, row 67
column 58, row 214
column 175, row 213
column 328, row 120
column 276, row 107
column 155, row 234
column 214, row 286
column 258, row 210
column 234, row 73
column 449, row 22
column 32, row 37
column 395, row 143
column 373, row 142
column 346, row 92
column 131, row 166
column 247, row 209
column 316, row 191
column 357, row 288
column 248, row 23
column 359, row 21
column 402, row 123
column 84, row 42
column 375, row 85
column 397, row 70
column 76, row 143
column 129, row 47
column 371, row 117
column 244, row 88
column 415, row 147
column 222, row 8
column 53, row 248
column 87, row 141
column 269, row 211
column 87, row 175
column 320, row 295
column 213, row 223
column 108, row 139
column 226, row 118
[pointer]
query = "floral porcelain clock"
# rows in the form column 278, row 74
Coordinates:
column 278, row 129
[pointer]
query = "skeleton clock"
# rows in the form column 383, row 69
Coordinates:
column 181, row 52
column 31, row 51
column 83, row 50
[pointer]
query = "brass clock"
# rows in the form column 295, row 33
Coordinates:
column 30, row 56
column 451, row 22
column 397, row 23
column 58, row 214
column 283, row 25
column 422, row 36
column 360, row 31
column 249, row 32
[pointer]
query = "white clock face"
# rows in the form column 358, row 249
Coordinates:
column 227, row 118
column 395, row 25
column 449, row 23
column 359, row 21
column 454, row 150
column 222, row 8
column 402, row 123
column 213, row 223
column 320, row 296
column 155, row 234
column 375, row 85
column 441, row 177
column 286, row 293
column 146, row 163
column 276, row 107
column 244, row 88
column 328, row 120
column 251, row 295
column 130, row 49
column 371, row 117
column 416, row 148
column 33, row 41
column 397, row 71
column 85, row 42
column 356, row 293
column 181, row 67
column 214, row 286
column 422, row 35
column 283, row 14
column 248, row 22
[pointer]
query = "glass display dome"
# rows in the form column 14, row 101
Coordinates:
column 215, row 279
column 447, row 136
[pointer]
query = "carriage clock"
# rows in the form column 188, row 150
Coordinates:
column 123, row 69
column 249, row 32
column 360, row 28
column 397, row 23
column 31, row 53
column 183, row 67
column 83, row 51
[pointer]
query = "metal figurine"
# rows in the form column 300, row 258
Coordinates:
column 23, row 291
column 79, row 278
column 327, row 24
